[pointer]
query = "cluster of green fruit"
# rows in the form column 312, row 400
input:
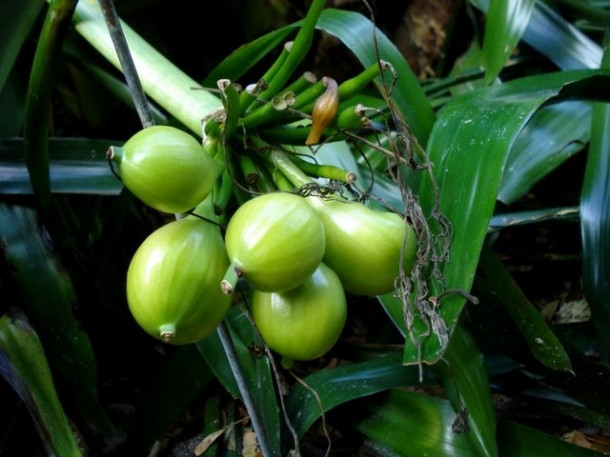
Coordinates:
column 299, row 255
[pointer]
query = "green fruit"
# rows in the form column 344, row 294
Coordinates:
column 166, row 168
column 363, row 246
column 303, row 323
column 172, row 281
column 275, row 241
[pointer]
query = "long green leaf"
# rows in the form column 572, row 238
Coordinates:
column 468, row 390
column 543, row 145
column 359, row 36
column 324, row 390
column 27, row 370
column 413, row 425
column 595, row 220
column 76, row 166
column 505, row 23
column 541, row 340
column 47, row 296
column 469, row 145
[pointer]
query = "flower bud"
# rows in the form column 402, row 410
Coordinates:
column 324, row 110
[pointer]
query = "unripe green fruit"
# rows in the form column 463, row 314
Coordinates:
column 166, row 168
column 275, row 241
column 363, row 246
column 303, row 323
column 172, row 281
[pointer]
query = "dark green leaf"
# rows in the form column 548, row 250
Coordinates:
column 346, row 383
column 77, row 165
column 595, row 220
column 26, row 369
column 469, row 146
column 465, row 379
column 543, row 145
column 541, row 340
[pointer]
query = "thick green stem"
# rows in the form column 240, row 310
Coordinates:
column 165, row 83
column 293, row 173
column 323, row 171
column 38, row 101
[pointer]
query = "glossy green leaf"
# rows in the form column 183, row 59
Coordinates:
column 595, row 220
column 346, row 383
column 77, row 166
column 543, row 145
column 469, row 146
column 541, row 340
column 557, row 39
column 506, row 20
column 24, row 365
column 465, row 379
column 410, row 424
column 358, row 35
column 256, row 370
column 47, row 296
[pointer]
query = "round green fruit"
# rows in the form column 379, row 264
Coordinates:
column 363, row 245
column 166, row 168
column 275, row 242
column 172, row 281
column 303, row 323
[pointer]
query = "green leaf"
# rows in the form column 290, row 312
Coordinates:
column 256, row 371
column 595, row 221
column 543, row 145
column 358, row 34
column 469, row 146
column 324, row 390
column 541, row 340
column 77, row 166
column 468, row 390
column 24, row 366
column 506, row 20
column 47, row 296
column 16, row 20
column 410, row 424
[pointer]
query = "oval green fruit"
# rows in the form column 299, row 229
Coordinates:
column 172, row 281
column 363, row 245
column 166, row 168
column 303, row 323
column 275, row 241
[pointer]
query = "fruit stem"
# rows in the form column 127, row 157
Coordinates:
column 115, row 153
column 167, row 332
column 293, row 173
column 229, row 281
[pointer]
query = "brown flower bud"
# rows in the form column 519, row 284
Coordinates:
column 324, row 110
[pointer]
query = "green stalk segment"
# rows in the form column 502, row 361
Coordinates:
column 165, row 83
column 317, row 170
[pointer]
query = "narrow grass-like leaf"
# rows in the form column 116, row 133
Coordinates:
column 76, row 166
column 256, row 370
column 543, row 145
column 465, row 379
column 506, row 21
column 504, row 220
column 360, row 36
column 413, row 425
column 595, row 220
column 541, row 340
column 343, row 384
column 47, row 296
column 27, row 370
column 469, row 146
